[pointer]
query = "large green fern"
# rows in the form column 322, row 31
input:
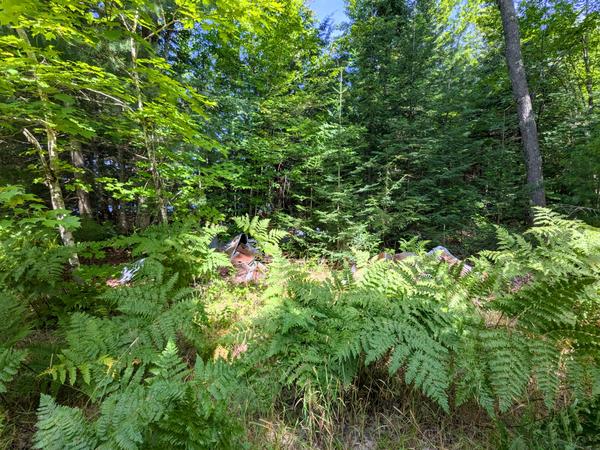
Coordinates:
column 13, row 316
column 525, row 319
column 167, row 406
column 183, row 248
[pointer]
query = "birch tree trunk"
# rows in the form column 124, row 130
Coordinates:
column 49, row 159
column 520, row 88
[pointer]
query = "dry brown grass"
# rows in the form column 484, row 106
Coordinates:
column 381, row 415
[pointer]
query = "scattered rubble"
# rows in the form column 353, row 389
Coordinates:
column 396, row 257
column 127, row 274
column 444, row 254
column 243, row 258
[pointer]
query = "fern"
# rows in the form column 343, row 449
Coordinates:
column 553, row 314
column 545, row 363
column 321, row 333
column 145, row 317
column 268, row 239
column 32, row 262
column 10, row 360
column 157, row 408
column 524, row 322
column 13, row 316
column 61, row 427
column 183, row 248
column 494, row 342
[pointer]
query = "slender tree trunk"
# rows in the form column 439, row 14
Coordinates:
column 96, row 165
column 51, row 179
column 589, row 79
column 122, row 221
column 520, row 88
column 142, row 216
column 149, row 143
column 122, row 211
column 83, row 198
column 49, row 159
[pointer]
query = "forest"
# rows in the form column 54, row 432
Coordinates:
column 237, row 224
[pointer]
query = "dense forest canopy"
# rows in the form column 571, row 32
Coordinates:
column 137, row 133
column 402, row 124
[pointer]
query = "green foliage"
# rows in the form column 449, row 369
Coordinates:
column 62, row 427
column 259, row 229
column 127, row 363
column 576, row 426
column 138, row 322
column 487, row 334
column 91, row 231
column 14, row 317
column 182, row 247
column 161, row 408
column 10, row 360
column 31, row 260
column 126, row 125
column 15, row 327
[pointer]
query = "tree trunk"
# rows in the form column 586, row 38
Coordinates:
column 527, row 125
column 589, row 79
column 51, row 164
column 122, row 219
column 53, row 184
column 148, row 141
column 83, row 198
column 142, row 217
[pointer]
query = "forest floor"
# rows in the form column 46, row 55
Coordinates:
column 376, row 414
column 379, row 415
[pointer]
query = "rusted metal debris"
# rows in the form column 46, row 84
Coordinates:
column 241, row 254
column 396, row 257
column 442, row 253
column 243, row 258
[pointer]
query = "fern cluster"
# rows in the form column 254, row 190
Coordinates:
column 133, row 324
column 488, row 336
column 167, row 405
column 522, row 325
column 13, row 315
column 127, row 363
column 31, row 259
column 259, row 229
column 183, row 247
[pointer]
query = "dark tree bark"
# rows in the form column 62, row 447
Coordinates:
column 83, row 198
column 122, row 218
column 589, row 78
column 520, row 88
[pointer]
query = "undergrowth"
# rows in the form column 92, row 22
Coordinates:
column 386, row 354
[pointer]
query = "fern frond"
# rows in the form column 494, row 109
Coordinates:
column 10, row 360
column 60, row 427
